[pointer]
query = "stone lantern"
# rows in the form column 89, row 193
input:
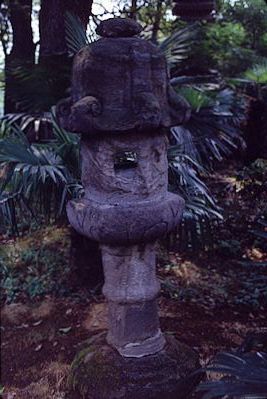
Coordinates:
column 194, row 10
column 122, row 105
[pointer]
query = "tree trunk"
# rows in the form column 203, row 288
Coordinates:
column 52, row 29
column 53, row 47
column 52, row 26
column 23, row 48
column 81, row 8
column 85, row 258
column 20, row 17
column 133, row 12
column 156, row 25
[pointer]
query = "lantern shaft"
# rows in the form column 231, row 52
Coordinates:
column 131, row 288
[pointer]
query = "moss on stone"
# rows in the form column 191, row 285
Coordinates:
column 93, row 370
column 99, row 372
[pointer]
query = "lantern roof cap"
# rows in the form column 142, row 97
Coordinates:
column 118, row 27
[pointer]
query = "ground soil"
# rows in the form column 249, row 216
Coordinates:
column 202, row 302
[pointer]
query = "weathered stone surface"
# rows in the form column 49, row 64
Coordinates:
column 144, row 176
column 131, row 288
column 121, row 102
column 99, row 372
column 128, row 204
column 120, row 84
column 118, row 27
column 130, row 223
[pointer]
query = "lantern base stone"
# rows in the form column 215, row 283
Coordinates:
column 100, row 372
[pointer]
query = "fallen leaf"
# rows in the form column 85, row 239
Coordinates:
column 65, row 330
column 24, row 325
column 37, row 323
column 38, row 348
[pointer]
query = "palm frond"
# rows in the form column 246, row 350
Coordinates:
column 8, row 123
column 76, row 37
column 201, row 212
column 246, row 376
column 8, row 211
column 184, row 178
column 67, row 146
column 195, row 80
column 31, row 164
column 37, row 173
column 214, row 126
column 258, row 73
column 37, row 88
column 177, row 46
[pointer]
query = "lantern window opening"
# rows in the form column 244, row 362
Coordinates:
column 125, row 160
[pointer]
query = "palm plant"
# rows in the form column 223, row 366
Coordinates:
column 37, row 88
column 246, row 376
column 201, row 210
column 258, row 73
column 76, row 37
column 213, row 131
column 256, row 78
column 39, row 176
column 177, row 46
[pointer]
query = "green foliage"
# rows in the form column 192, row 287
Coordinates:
column 148, row 12
column 252, row 14
column 184, row 178
column 49, row 174
column 257, row 74
column 225, row 35
column 224, row 45
column 37, row 88
column 213, row 131
column 76, row 37
column 234, row 42
column 32, row 273
column 41, row 177
column 176, row 47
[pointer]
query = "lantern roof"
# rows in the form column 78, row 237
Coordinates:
column 193, row 10
column 118, row 27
